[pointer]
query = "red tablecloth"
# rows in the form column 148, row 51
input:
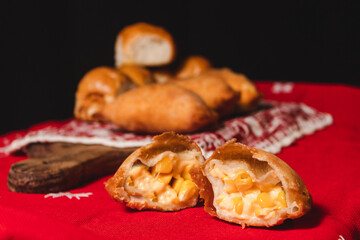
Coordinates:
column 328, row 162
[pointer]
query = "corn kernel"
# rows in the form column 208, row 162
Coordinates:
column 282, row 199
column 165, row 165
column 229, row 185
column 177, row 184
column 185, row 174
column 164, row 178
column 264, row 200
column 243, row 181
column 187, row 191
column 238, row 204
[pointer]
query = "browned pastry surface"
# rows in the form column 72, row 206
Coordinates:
column 214, row 90
column 138, row 75
column 157, row 108
column 249, row 95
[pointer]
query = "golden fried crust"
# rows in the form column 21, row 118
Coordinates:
column 157, row 108
column 293, row 185
column 193, row 66
column 215, row 92
column 250, row 96
column 131, row 33
column 97, row 88
column 168, row 141
column 137, row 74
column 205, row 192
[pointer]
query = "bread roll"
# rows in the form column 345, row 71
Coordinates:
column 249, row 95
column 157, row 108
column 214, row 90
column 144, row 44
column 98, row 87
column 251, row 187
column 159, row 175
column 193, row 66
column 138, row 75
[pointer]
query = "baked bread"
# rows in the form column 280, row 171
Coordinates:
column 251, row 187
column 138, row 75
column 157, row 108
column 250, row 96
column 144, row 44
column 193, row 66
column 98, row 87
column 214, row 90
column 158, row 176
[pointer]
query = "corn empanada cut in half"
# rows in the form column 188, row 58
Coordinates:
column 159, row 176
column 251, row 187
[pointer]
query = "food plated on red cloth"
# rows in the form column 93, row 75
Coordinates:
column 188, row 145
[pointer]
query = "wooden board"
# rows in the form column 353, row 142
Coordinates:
column 56, row 167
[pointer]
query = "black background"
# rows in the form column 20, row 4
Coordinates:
column 47, row 47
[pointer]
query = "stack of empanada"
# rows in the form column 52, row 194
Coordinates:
column 157, row 99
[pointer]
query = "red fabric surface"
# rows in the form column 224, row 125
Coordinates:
column 327, row 161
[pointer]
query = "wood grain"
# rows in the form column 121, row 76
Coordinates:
column 56, row 167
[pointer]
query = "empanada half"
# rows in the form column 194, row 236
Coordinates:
column 251, row 187
column 159, row 176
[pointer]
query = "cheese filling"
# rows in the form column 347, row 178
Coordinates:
column 238, row 194
column 167, row 180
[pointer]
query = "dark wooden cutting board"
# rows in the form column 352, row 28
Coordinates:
column 56, row 167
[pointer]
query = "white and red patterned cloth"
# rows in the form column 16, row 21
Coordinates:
column 269, row 129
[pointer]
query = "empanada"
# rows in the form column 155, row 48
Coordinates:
column 159, row 175
column 193, row 66
column 214, row 90
column 157, row 108
column 249, row 94
column 97, row 88
column 251, row 187
column 138, row 75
